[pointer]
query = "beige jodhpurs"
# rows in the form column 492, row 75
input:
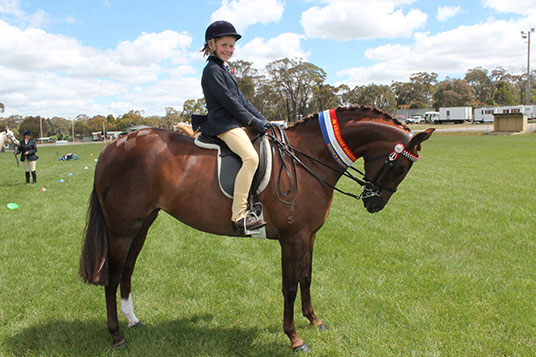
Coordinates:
column 29, row 165
column 238, row 141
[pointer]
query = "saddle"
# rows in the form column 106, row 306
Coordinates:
column 228, row 165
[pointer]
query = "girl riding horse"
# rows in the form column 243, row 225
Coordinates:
column 229, row 112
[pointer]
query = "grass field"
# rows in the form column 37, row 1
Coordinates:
column 447, row 268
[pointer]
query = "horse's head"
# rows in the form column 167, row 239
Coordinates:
column 386, row 167
column 9, row 135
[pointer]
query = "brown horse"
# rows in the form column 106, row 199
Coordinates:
column 152, row 169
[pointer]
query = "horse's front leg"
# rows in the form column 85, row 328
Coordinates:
column 305, row 288
column 293, row 259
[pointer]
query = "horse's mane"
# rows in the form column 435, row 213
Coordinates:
column 363, row 111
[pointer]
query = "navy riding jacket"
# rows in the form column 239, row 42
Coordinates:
column 30, row 147
column 227, row 107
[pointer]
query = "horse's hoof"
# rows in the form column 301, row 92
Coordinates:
column 137, row 325
column 302, row 348
column 323, row 327
column 122, row 343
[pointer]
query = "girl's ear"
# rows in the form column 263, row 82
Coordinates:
column 211, row 44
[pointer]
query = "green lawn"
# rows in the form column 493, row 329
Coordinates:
column 447, row 268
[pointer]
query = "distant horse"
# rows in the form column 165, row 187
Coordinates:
column 152, row 169
column 186, row 129
column 7, row 135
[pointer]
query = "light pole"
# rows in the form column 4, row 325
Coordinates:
column 41, row 128
column 526, row 35
column 72, row 121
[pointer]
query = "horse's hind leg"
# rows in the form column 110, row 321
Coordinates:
column 110, row 291
column 119, row 249
column 305, row 287
column 127, row 305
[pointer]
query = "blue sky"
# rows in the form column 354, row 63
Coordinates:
column 112, row 56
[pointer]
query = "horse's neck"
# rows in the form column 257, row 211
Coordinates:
column 308, row 138
column 366, row 132
column 357, row 134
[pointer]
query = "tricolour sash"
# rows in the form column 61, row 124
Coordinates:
column 333, row 138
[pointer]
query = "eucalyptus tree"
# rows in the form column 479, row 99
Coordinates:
column 295, row 81
column 481, row 83
column 375, row 95
column 453, row 93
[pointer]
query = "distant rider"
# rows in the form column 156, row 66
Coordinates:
column 229, row 111
column 27, row 148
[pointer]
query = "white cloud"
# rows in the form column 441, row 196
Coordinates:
column 488, row 45
column 358, row 19
column 153, row 47
column 243, row 13
column 13, row 8
column 260, row 51
column 49, row 74
column 522, row 7
column 446, row 12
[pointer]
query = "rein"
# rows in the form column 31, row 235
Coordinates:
column 285, row 148
column 371, row 188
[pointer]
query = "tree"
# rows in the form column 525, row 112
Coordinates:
column 130, row 119
column 193, row 106
column 423, row 85
column 505, row 93
column 12, row 122
column 378, row 96
column 246, row 77
column 403, row 92
column 171, row 118
column 2, row 107
column 345, row 95
column 34, row 125
column 482, row 85
column 418, row 92
column 97, row 123
column 59, row 126
column 295, row 81
column 454, row 93
column 269, row 102
column 324, row 97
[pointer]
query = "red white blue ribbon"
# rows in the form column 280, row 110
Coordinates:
column 341, row 152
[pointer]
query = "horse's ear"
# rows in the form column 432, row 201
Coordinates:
column 419, row 138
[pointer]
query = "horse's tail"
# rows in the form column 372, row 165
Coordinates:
column 94, row 257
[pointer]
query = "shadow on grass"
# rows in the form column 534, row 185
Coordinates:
column 185, row 337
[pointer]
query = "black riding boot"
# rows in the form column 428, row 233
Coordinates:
column 27, row 177
column 34, row 177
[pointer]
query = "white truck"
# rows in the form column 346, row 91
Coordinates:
column 455, row 114
column 484, row 115
column 431, row 117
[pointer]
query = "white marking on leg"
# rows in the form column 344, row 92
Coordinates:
column 127, row 308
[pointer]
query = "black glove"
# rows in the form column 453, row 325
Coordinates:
column 260, row 125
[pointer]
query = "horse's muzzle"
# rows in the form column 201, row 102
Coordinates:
column 374, row 204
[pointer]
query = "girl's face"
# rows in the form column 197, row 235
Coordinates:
column 225, row 47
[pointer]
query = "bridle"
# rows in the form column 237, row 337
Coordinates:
column 9, row 136
column 371, row 187
column 399, row 150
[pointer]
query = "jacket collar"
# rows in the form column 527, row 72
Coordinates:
column 220, row 63
column 215, row 59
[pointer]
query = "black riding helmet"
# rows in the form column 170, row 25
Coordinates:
column 220, row 29
column 27, row 132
